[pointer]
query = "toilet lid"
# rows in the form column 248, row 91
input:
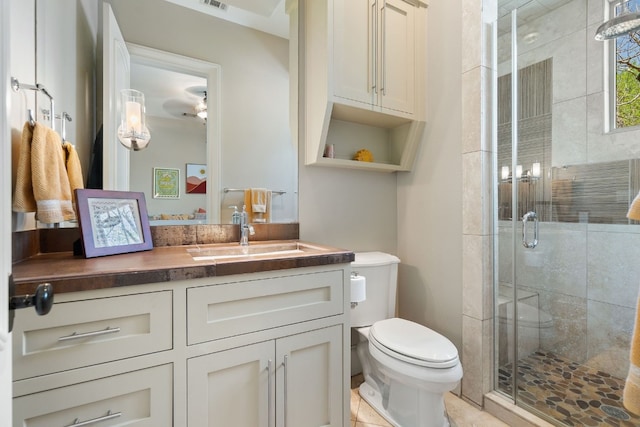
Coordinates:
column 413, row 343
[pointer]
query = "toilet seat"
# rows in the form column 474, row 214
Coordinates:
column 413, row 343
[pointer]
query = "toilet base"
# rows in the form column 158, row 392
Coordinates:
column 373, row 397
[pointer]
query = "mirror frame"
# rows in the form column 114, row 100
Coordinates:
column 213, row 73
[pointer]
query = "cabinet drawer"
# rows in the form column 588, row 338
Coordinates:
column 140, row 398
column 230, row 309
column 83, row 333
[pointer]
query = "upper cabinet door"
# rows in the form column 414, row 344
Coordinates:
column 374, row 54
column 116, row 67
column 354, row 55
column 397, row 55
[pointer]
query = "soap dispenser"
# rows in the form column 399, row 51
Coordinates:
column 235, row 216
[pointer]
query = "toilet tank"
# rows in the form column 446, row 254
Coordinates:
column 381, row 272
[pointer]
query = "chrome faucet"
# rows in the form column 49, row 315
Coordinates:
column 246, row 229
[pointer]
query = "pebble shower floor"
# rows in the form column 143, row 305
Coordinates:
column 569, row 392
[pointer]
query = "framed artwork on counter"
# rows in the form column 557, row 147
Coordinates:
column 113, row 222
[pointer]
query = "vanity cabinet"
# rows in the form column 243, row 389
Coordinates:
column 363, row 83
column 289, row 381
column 253, row 349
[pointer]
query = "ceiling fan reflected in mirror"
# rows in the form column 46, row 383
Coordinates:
column 200, row 109
column 192, row 105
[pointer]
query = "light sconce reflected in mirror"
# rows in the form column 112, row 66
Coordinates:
column 524, row 176
column 133, row 132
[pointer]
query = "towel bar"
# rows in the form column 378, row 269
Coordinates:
column 16, row 86
column 227, row 190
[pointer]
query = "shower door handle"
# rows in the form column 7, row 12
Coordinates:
column 525, row 219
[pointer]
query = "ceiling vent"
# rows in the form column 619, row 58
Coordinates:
column 216, row 4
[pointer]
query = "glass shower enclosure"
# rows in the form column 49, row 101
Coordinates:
column 566, row 256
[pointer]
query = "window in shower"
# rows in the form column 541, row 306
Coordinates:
column 626, row 64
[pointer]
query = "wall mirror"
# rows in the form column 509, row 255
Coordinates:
column 256, row 145
column 257, row 148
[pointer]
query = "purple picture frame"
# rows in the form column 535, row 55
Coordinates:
column 113, row 222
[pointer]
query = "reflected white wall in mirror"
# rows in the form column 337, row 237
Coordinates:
column 174, row 86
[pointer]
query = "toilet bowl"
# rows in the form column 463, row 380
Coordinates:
column 533, row 324
column 407, row 367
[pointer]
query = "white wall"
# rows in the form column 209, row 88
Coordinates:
column 175, row 143
column 350, row 209
column 430, row 197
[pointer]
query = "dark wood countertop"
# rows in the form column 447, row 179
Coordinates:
column 69, row 273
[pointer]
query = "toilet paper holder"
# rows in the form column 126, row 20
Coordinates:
column 358, row 289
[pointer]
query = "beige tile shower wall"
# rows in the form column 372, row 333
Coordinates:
column 579, row 129
column 477, row 199
column 587, row 278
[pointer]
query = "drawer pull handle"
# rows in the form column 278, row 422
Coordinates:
column 75, row 336
column 109, row 416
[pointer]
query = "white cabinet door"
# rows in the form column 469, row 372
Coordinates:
column 396, row 75
column 311, row 374
column 354, row 26
column 232, row 387
column 296, row 379
column 374, row 53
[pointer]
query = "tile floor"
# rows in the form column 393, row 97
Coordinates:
column 461, row 414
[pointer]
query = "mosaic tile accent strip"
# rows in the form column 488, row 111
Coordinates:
column 569, row 392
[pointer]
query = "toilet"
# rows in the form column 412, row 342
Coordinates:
column 533, row 325
column 407, row 367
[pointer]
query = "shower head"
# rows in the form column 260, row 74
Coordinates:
column 624, row 23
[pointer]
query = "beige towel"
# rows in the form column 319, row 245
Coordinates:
column 257, row 202
column 631, row 396
column 51, row 187
column 634, row 209
column 23, row 200
column 74, row 170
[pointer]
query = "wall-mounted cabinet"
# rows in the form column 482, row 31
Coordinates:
column 361, row 90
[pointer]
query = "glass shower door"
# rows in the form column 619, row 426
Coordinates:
column 565, row 256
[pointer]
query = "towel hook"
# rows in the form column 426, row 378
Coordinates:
column 64, row 117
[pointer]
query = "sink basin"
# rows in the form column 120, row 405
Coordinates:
column 261, row 250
